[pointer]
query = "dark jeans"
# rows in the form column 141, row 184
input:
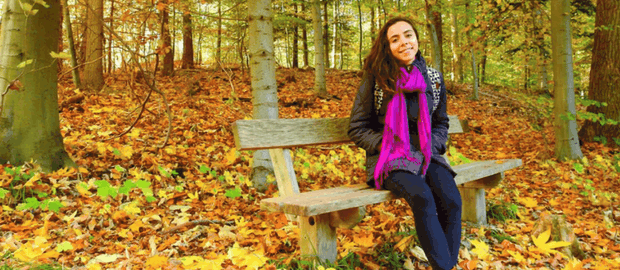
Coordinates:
column 436, row 205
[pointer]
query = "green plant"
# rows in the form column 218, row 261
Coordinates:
column 20, row 176
column 388, row 257
column 502, row 211
column 105, row 189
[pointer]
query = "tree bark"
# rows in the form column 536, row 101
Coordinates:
column 605, row 72
column 325, row 33
column 304, row 37
column 93, row 68
column 110, row 39
column 296, row 40
column 434, row 26
column 218, row 54
column 473, row 57
column 188, row 41
column 359, row 12
column 168, row 65
column 29, row 120
column 457, row 69
column 319, row 62
column 566, row 140
column 263, row 76
column 69, row 32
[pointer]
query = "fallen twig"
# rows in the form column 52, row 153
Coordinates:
column 195, row 223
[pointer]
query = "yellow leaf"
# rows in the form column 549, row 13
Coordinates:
column 403, row 243
column 33, row 179
column 366, row 240
column 517, row 256
column 231, row 156
column 156, row 262
column 481, row 249
column 82, row 170
column 528, row 202
column 135, row 227
column 543, row 246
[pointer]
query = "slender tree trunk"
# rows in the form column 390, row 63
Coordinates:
column 305, row 38
column 93, row 69
column 319, row 63
column 457, row 72
column 29, row 120
column 373, row 23
column 434, row 26
column 473, row 57
column 325, row 33
column 483, row 63
column 69, row 32
column 605, row 72
column 566, row 140
column 296, row 39
column 218, row 54
column 110, row 39
column 188, row 41
column 263, row 74
column 359, row 12
column 168, row 66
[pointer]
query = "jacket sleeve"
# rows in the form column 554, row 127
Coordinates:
column 364, row 126
column 440, row 122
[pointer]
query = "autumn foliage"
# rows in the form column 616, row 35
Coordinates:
column 190, row 204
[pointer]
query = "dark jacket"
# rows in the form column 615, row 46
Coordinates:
column 366, row 126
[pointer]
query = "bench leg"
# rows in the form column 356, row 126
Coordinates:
column 474, row 208
column 317, row 238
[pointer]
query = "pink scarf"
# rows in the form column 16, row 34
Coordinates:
column 396, row 143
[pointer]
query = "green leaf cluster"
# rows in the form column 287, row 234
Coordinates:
column 105, row 189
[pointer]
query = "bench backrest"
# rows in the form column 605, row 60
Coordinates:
column 285, row 133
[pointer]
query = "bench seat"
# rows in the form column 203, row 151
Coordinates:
column 471, row 175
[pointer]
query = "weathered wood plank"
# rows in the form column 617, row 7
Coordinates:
column 481, row 169
column 285, row 133
column 335, row 199
column 284, row 173
column 474, row 206
column 318, row 238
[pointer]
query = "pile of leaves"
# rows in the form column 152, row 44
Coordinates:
column 191, row 205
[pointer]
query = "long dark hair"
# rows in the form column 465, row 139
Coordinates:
column 380, row 63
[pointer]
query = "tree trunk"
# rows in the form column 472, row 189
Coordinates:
column 434, row 26
column 305, row 38
column 188, row 41
column 218, row 54
column 373, row 23
column 483, row 63
column 457, row 69
column 110, row 39
column 359, row 12
column 473, row 56
column 263, row 76
column 168, row 66
column 296, row 40
column 69, row 32
column 566, row 140
column 319, row 62
column 325, row 33
column 29, row 120
column 93, row 69
column 605, row 73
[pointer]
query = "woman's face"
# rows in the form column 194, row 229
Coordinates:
column 403, row 42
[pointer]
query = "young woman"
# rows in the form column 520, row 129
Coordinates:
column 399, row 117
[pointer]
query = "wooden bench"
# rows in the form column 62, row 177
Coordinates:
column 320, row 212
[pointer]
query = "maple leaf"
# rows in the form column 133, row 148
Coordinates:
column 516, row 256
column 30, row 251
column 542, row 246
column 156, row 262
column 244, row 257
column 528, row 202
column 481, row 249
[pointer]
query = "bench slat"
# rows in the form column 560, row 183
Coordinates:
column 335, row 199
column 285, row 133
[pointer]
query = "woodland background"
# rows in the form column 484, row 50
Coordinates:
column 117, row 150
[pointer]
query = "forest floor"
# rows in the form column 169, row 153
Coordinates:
column 190, row 205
